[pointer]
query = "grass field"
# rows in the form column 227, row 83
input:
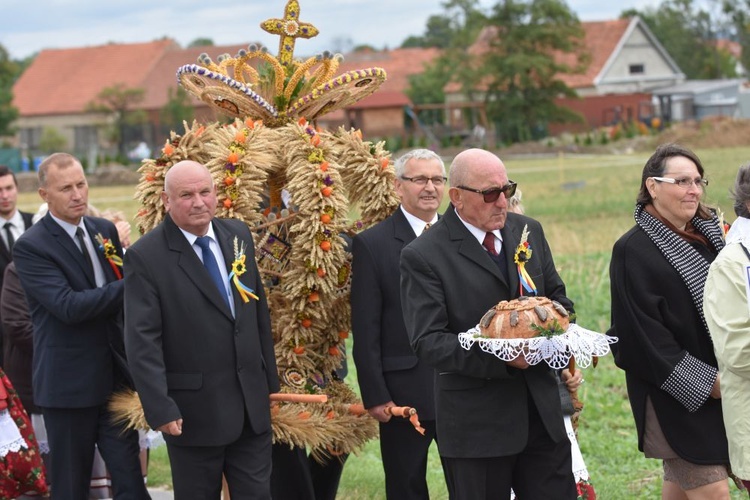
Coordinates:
column 585, row 203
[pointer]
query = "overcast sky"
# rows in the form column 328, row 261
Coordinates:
column 29, row 26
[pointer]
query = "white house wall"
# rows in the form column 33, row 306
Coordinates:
column 637, row 49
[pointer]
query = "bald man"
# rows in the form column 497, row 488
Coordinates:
column 499, row 423
column 201, row 357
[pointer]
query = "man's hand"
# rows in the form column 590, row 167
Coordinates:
column 173, row 428
column 378, row 412
column 572, row 382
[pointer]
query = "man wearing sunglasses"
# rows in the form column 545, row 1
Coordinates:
column 388, row 372
column 499, row 423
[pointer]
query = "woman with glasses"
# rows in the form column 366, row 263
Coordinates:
column 657, row 274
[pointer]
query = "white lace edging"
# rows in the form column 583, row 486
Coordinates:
column 577, row 341
column 10, row 437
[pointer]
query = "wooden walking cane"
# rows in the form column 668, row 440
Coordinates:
column 406, row 412
column 577, row 403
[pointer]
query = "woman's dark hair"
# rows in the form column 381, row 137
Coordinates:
column 740, row 192
column 656, row 165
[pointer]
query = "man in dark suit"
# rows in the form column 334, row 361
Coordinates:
column 201, row 355
column 13, row 223
column 76, row 300
column 500, row 424
column 388, row 371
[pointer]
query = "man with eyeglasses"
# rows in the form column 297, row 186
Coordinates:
column 388, row 372
column 500, row 423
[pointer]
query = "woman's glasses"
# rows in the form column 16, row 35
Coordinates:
column 683, row 182
column 491, row 195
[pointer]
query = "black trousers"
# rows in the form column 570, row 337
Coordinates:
column 297, row 476
column 404, row 452
column 245, row 463
column 72, row 434
column 543, row 469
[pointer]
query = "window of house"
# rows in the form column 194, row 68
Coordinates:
column 85, row 139
column 637, row 69
column 30, row 137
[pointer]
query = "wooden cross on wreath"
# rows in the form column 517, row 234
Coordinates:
column 289, row 29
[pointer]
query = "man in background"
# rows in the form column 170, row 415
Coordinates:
column 13, row 223
column 76, row 298
column 388, row 371
column 201, row 356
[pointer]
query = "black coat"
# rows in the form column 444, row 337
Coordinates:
column 18, row 337
column 5, row 259
column 657, row 324
column 387, row 368
column 448, row 282
column 189, row 357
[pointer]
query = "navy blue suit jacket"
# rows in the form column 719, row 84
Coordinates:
column 77, row 325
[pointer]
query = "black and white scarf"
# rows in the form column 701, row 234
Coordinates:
column 687, row 261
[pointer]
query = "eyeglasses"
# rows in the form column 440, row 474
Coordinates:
column 491, row 195
column 683, row 182
column 421, row 180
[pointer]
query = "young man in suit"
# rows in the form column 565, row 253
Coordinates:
column 499, row 423
column 201, row 356
column 75, row 298
column 388, row 371
column 13, row 223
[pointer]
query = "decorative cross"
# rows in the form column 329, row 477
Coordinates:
column 289, row 29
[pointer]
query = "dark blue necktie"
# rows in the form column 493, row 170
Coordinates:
column 209, row 261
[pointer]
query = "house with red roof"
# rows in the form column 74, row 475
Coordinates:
column 59, row 86
column 627, row 62
column 57, row 90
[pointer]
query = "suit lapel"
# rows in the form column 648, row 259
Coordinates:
column 192, row 266
column 93, row 230
column 67, row 243
column 469, row 247
column 226, row 243
column 511, row 238
column 402, row 230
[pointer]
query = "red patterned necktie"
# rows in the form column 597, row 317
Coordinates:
column 489, row 244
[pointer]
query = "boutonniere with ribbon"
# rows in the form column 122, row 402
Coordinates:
column 238, row 269
column 110, row 253
column 522, row 256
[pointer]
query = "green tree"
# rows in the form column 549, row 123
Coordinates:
column 438, row 33
column 119, row 102
column 738, row 12
column 688, row 33
column 534, row 43
column 201, row 42
column 9, row 72
column 460, row 25
column 52, row 140
column 177, row 109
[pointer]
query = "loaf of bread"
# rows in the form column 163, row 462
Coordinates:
column 523, row 318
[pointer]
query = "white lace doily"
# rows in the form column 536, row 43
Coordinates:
column 577, row 341
column 10, row 437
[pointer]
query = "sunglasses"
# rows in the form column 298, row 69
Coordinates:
column 491, row 195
